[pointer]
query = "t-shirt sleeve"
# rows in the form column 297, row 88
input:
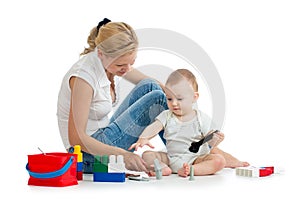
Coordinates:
column 162, row 117
column 87, row 77
column 207, row 123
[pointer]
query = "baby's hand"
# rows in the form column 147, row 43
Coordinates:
column 217, row 139
column 140, row 143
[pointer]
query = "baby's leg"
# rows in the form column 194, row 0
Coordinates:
column 150, row 156
column 208, row 164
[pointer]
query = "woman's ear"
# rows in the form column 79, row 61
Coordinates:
column 100, row 54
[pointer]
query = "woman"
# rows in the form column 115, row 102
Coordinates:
column 90, row 89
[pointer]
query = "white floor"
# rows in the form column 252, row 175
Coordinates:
column 224, row 184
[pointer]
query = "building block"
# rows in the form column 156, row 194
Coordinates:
column 109, row 177
column 252, row 171
column 100, row 163
column 109, row 170
column 192, row 173
column 157, row 169
column 77, row 151
column 116, row 164
column 79, row 175
column 80, row 166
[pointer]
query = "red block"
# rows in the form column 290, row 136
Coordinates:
column 79, row 175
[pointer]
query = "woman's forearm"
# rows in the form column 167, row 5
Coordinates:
column 95, row 147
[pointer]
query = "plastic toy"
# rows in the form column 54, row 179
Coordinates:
column 158, row 170
column 116, row 164
column 195, row 146
column 138, row 178
column 252, row 171
column 52, row 169
column 108, row 171
column 192, row 173
column 77, row 151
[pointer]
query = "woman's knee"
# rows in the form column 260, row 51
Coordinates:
column 158, row 101
column 155, row 97
column 157, row 94
column 153, row 84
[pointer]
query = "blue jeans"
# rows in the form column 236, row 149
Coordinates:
column 137, row 111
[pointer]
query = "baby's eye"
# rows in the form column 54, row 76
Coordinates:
column 180, row 99
column 169, row 99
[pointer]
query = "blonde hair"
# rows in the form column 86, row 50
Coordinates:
column 114, row 39
column 183, row 74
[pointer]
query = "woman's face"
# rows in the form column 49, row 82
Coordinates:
column 118, row 66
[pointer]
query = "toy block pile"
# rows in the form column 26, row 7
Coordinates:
column 77, row 151
column 109, row 169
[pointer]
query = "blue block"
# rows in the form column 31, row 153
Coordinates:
column 79, row 166
column 109, row 177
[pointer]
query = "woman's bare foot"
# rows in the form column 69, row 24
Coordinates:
column 184, row 171
column 231, row 161
column 236, row 163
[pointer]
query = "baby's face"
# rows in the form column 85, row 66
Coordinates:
column 180, row 98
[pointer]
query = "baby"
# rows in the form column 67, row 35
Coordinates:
column 182, row 125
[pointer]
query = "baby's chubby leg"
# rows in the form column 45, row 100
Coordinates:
column 150, row 156
column 205, row 165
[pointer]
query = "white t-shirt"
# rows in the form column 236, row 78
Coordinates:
column 90, row 69
column 179, row 135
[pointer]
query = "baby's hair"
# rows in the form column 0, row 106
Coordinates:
column 114, row 39
column 181, row 74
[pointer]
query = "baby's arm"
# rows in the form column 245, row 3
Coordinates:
column 148, row 133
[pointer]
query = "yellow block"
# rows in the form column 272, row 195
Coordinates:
column 77, row 150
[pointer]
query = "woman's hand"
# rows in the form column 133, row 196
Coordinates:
column 134, row 162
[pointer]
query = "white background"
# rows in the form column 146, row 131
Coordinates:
column 255, row 46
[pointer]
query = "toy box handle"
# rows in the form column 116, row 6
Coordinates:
column 54, row 174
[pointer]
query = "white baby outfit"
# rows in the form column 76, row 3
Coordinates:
column 179, row 136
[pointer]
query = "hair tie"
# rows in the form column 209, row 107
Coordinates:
column 103, row 22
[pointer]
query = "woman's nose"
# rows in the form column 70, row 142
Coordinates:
column 127, row 68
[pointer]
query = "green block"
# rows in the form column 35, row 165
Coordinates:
column 100, row 163
column 105, row 160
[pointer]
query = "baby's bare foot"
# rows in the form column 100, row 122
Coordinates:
column 184, row 171
column 166, row 171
